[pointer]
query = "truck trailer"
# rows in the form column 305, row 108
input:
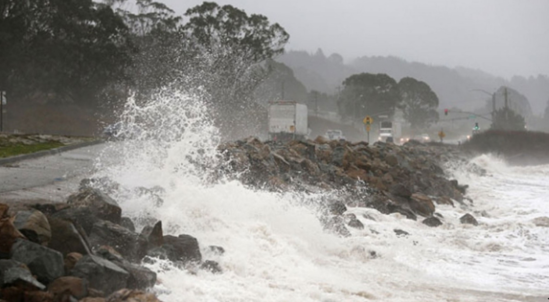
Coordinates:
column 288, row 120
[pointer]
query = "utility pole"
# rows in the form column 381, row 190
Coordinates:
column 2, row 98
column 493, row 105
column 316, row 104
column 282, row 92
column 506, row 101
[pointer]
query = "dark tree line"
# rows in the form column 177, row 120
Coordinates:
column 84, row 51
column 379, row 94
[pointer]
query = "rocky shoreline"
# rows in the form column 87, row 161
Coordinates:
column 85, row 250
column 408, row 179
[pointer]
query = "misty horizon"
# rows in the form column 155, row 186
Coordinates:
column 500, row 38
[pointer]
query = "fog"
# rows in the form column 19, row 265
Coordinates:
column 501, row 37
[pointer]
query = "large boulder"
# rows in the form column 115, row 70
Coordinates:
column 153, row 235
column 8, row 235
column 68, row 286
column 468, row 219
column 183, row 248
column 66, row 238
column 88, row 207
column 432, row 221
column 15, row 272
column 45, row 263
column 422, row 204
column 34, row 225
column 129, row 244
column 4, row 208
column 102, row 274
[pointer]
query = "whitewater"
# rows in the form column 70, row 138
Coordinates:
column 276, row 248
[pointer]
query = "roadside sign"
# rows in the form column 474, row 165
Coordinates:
column 441, row 134
column 368, row 120
column 368, row 127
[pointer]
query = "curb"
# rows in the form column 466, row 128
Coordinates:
column 13, row 159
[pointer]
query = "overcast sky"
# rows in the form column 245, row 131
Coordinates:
column 502, row 37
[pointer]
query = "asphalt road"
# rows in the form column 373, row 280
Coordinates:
column 47, row 178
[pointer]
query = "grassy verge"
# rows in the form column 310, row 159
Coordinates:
column 20, row 148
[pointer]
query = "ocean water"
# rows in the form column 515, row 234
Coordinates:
column 276, row 248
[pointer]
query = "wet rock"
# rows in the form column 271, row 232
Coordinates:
column 128, row 295
column 4, row 208
column 15, row 272
column 401, row 209
column 38, row 296
column 432, row 222
column 88, row 207
column 66, row 238
column 182, row 249
column 70, row 261
column 217, row 250
column 34, row 225
column 391, row 159
column 337, row 208
column 542, row 221
column 400, row 232
column 468, row 219
column 400, row 190
column 8, row 235
column 127, row 223
column 139, row 277
column 422, row 204
column 45, row 263
column 153, row 235
column 336, row 225
column 101, row 274
column 211, row 266
column 355, row 223
column 69, row 286
column 130, row 245
column 186, row 246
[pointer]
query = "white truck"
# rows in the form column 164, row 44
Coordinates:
column 288, row 120
column 389, row 131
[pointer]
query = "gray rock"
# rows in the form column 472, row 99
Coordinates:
column 66, row 238
column 400, row 232
column 468, row 219
column 102, row 274
column 127, row 223
column 211, row 266
column 153, row 235
column 139, row 277
column 34, row 225
column 88, row 207
column 45, row 263
column 432, row 222
column 400, row 190
column 129, row 244
column 14, row 272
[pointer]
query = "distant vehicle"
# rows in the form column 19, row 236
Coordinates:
column 424, row 137
column 288, row 120
column 334, row 135
column 389, row 131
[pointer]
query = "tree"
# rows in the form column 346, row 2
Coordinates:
column 368, row 94
column 418, row 103
column 160, row 53
column 44, row 50
column 507, row 119
column 227, row 48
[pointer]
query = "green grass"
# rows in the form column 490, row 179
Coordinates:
column 19, row 148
